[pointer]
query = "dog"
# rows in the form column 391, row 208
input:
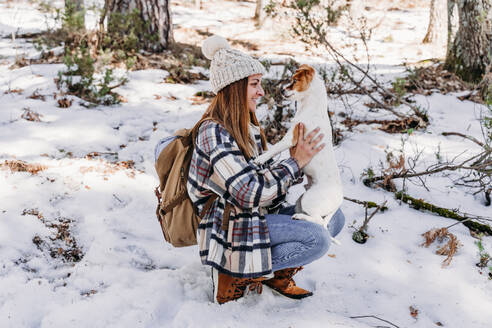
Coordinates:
column 320, row 202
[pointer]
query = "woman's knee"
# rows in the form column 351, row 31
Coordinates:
column 321, row 241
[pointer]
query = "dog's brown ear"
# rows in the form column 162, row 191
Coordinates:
column 303, row 77
column 307, row 71
column 307, row 68
column 295, row 134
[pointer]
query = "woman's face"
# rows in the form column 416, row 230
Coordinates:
column 255, row 91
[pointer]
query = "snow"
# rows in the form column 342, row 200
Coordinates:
column 129, row 277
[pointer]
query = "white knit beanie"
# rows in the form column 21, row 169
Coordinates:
column 228, row 65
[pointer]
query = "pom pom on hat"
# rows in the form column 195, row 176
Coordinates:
column 212, row 44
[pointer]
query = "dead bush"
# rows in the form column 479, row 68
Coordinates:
column 449, row 249
column 21, row 166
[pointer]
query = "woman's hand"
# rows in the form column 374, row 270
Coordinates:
column 306, row 148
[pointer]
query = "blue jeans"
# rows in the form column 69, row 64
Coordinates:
column 295, row 242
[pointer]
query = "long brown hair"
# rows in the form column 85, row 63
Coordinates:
column 230, row 108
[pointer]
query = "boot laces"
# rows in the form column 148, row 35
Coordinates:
column 296, row 270
column 256, row 286
column 239, row 287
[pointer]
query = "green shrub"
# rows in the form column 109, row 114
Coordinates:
column 399, row 89
column 80, row 79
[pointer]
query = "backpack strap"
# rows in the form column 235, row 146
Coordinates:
column 227, row 211
column 225, row 218
column 172, row 204
column 207, row 205
column 194, row 130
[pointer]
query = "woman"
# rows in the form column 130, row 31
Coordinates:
column 237, row 236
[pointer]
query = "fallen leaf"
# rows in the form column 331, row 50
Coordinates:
column 36, row 95
column 31, row 116
column 414, row 312
column 19, row 91
column 93, row 154
column 198, row 100
column 332, row 256
column 64, row 102
column 21, row 166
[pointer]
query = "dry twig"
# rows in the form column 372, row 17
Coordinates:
column 363, row 227
column 338, row 57
column 375, row 317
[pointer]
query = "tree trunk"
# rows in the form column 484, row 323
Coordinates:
column 156, row 15
column 259, row 12
column 437, row 21
column 469, row 55
column 452, row 24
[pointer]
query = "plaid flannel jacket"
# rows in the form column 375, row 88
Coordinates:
column 218, row 166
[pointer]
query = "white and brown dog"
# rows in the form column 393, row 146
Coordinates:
column 320, row 202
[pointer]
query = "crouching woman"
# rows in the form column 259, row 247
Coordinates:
column 237, row 237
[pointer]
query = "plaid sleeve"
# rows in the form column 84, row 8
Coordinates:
column 243, row 183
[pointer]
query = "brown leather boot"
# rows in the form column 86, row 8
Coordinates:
column 283, row 283
column 228, row 288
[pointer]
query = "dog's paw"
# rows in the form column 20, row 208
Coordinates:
column 314, row 219
column 301, row 216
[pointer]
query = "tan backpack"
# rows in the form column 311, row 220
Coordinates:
column 175, row 211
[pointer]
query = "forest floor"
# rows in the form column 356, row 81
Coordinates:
column 80, row 245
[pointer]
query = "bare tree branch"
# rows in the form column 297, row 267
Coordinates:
column 481, row 167
column 363, row 227
column 464, row 136
column 336, row 55
column 420, row 204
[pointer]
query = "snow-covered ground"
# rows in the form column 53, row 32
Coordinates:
column 129, row 277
